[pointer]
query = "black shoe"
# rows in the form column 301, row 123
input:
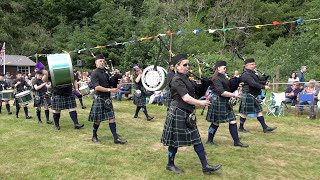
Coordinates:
column 17, row 116
column 57, row 127
column 120, row 141
column 174, row 169
column 9, row 112
column 209, row 169
column 269, row 129
column 149, row 118
column 243, row 130
column 135, row 116
column 78, row 126
column 49, row 122
column 95, row 140
column 83, row 107
column 210, row 142
column 240, row 144
column 28, row 117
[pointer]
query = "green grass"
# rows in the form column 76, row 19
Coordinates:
column 32, row 151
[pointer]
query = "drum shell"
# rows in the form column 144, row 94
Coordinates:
column 61, row 70
column 24, row 97
column 7, row 94
column 154, row 79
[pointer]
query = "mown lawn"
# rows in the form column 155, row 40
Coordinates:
column 32, row 151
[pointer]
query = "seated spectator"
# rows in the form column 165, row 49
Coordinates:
column 292, row 93
column 125, row 88
column 310, row 89
column 154, row 96
column 293, row 78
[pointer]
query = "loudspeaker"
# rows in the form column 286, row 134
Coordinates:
column 80, row 63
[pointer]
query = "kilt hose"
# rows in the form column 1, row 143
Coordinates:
column 220, row 110
column 101, row 109
column 59, row 102
column 139, row 101
column 249, row 104
column 175, row 132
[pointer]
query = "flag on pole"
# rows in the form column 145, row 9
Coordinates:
column 3, row 57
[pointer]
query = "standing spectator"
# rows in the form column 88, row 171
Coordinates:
column 303, row 69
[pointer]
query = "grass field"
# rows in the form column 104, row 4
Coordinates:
column 32, row 151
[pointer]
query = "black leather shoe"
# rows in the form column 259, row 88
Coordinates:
column 174, row 169
column 240, row 144
column 120, row 141
column 9, row 112
column 83, row 107
column 135, row 116
column 78, row 126
column 149, row 118
column 243, row 130
column 269, row 129
column 57, row 127
column 210, row 142
column 209, row 169
column 95, row 140
column 28, row 117
column 49, row 122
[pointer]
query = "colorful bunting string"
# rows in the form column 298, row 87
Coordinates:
column 169, row 32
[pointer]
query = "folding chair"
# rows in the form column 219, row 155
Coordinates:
column 307, row 100
column 276, row 104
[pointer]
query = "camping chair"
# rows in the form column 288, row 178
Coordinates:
column 308, row 100
column 276, row 104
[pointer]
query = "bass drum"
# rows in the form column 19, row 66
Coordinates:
column 154, row 79
column 60, row 67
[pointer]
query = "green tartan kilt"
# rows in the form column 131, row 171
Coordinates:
column 175, row 132
column 59, row 102
column 139, row 101
column 249, row 104
column 101, row 109
column 219, row 110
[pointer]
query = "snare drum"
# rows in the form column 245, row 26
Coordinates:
column 60, row 67
column 7, row 94
column 84, row 90
column 24, row 97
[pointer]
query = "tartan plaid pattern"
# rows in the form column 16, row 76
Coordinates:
column 101, row 109
column 139, row 101
column 249, row 104
column 42, row 102
column 175, row 132
column 59, row 102
column 219, row 110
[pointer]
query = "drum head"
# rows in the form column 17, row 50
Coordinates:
column 23, row 93
column 83, row 87
column 154, row 79
column 61, row 71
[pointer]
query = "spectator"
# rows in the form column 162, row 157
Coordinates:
column 303, row 69
column 310, row 89
column 293, row 78
column 125, row 88
column 292, row 93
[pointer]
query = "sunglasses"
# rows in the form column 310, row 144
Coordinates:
column 185, row 65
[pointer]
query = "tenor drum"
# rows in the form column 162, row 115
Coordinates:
column 60, row 67
column 7, row 94
column 24, row 97
column 84, row 90
column 154, row 79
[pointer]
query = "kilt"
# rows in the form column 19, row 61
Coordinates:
column 42, row 101
column 139, row 101
column 175, row 132
column 219, row 110
column 59, row 102
column 249, row 104
column 101, row 109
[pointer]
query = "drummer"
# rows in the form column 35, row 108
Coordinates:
column 78, row 94
column 4, row 86
column 63, row 98
column 21, row 85
column 40, row 99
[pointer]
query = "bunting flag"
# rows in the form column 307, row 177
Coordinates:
column 180, row 31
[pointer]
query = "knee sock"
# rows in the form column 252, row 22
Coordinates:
column 137, row 111
column 46, row 112
column 17, row 110
column 80, row 100
column 8, row 107
column 242, row 121
column 201, row 154
column 212, row 131
column 38, row 112
column 172, row 151
column 25, row 111
column 0, row 107
column 144, row 109
column 113, row 128
column 234, row 132
column 95, row 129
column 262, row 122
column 56, row 118
column 74, row 117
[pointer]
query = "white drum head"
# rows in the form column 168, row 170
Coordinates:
column 83, row 87
column 154, row 79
